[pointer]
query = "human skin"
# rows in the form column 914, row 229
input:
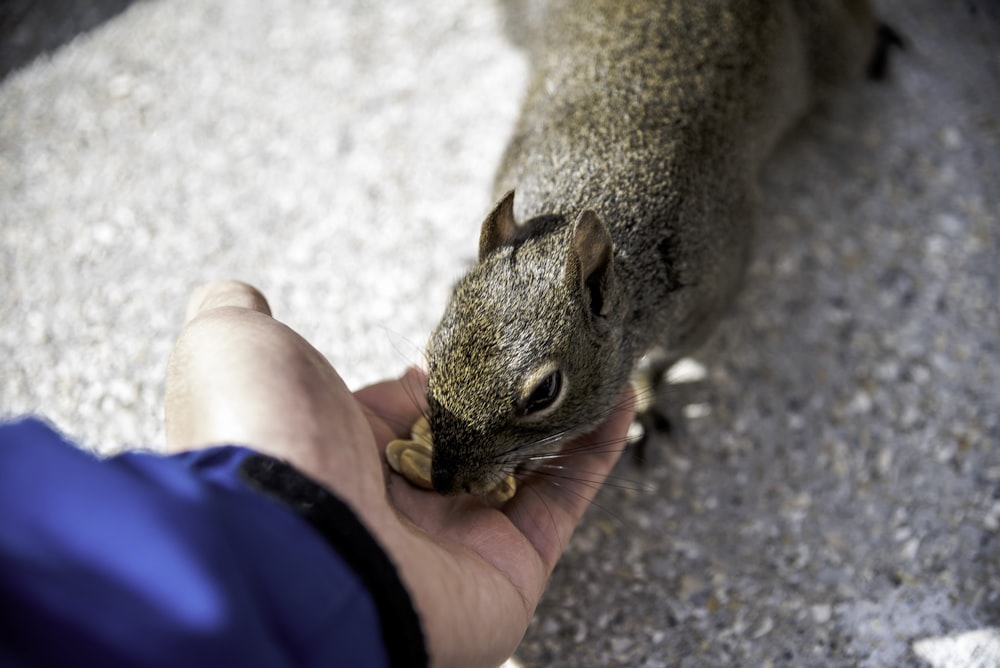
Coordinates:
column 475, row 572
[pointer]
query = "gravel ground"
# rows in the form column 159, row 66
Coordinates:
column 833, row 498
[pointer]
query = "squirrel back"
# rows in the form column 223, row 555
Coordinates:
column 635, row 162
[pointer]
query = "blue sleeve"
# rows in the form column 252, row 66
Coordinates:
column 220, row 557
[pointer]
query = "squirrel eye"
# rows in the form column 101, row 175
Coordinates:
column 544, row 394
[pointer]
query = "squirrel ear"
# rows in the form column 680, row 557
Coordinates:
column 499, row 228
column 590, row 260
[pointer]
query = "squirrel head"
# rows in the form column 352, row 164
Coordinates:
column 528, row 352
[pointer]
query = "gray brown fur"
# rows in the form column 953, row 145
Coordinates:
column 656, row 116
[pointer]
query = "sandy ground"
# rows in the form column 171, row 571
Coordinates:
column 834, row 499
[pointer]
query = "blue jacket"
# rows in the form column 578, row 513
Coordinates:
column 219, row 557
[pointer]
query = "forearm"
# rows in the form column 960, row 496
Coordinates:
column 187, row 560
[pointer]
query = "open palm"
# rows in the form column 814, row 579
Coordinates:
column 475, row 572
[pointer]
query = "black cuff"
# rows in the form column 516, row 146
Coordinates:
column 336, row 522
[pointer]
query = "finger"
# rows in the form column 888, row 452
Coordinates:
column 396, row 403
column 548, row 508
column 214, row 363
column 219, row 294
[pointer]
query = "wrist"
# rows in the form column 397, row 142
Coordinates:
column 346, row 534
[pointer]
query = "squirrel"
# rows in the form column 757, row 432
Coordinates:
column 635, row 162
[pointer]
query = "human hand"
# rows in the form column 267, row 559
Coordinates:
column 475, row 572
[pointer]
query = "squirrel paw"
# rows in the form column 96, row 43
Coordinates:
column 648, row 422
column 653, row 378
column 887, row 38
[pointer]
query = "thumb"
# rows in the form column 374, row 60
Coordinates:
column 220, row 294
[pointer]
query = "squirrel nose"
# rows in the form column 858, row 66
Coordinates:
column 444, row 477
column 452, row 475
column 447, row 485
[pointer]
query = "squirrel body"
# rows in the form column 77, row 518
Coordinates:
column 635, row 162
